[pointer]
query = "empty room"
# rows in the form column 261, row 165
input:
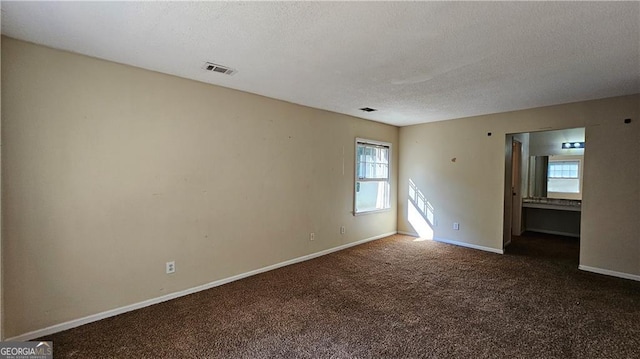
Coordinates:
column 320, row 179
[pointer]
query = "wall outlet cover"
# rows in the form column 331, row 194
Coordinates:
column 171, row 267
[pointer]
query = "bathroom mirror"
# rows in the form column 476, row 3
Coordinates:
column 563, row 182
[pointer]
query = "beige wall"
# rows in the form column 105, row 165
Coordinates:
column 471, row 189
column 109, row 171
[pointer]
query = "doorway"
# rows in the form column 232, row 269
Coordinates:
column 542, row 192
column 516, row 149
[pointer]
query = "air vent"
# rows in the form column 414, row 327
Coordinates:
column 209, row 66
column 368, row 109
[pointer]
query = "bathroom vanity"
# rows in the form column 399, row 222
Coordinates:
column 553, row 216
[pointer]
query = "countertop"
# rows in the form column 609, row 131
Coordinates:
column 553, row 203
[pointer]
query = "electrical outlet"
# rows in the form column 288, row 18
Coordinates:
column 312, row 236
column 343, row 230
column 171, row 267
column 456, row 226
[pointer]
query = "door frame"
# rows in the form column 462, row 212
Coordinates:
column 508, row 203
column 516, row 188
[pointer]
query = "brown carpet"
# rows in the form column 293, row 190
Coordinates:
column 392, row 298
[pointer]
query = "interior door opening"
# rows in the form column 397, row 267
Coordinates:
column 543, row 192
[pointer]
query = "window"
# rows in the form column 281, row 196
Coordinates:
column 563, row 176
column 372, row 187
column 563, row 169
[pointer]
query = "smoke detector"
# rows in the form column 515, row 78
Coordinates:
column 210, row 66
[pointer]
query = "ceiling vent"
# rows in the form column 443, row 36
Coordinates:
column 209, row 66
column 368, row 109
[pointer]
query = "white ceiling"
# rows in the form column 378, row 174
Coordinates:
column 413, row 61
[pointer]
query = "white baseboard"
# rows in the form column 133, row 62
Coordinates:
column 469, row 245
column 457, row 243
column 113, row 312
column 412, row 234
column 609, row 272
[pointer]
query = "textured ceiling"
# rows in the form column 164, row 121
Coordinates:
column 415, row 62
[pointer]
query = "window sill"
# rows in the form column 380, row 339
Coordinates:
column 371, row 212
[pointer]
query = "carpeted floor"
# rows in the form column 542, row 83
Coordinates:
column 392, row 298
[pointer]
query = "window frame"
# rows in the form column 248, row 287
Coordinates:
column 356, row 179
column 567, row 195
column 553, row 163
